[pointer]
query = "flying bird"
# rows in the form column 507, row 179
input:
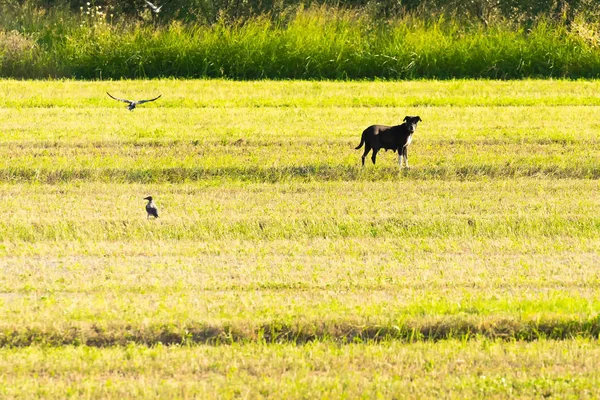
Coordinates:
column 154, row 9
column 151, row 208
column 132, row 103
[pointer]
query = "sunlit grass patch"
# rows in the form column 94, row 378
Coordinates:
column 455, row 368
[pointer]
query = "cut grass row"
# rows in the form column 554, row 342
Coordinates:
column 286, row 126
column 406, row 330
column 406, row 208
column 453, row 369
column 218, row 93
column 286, row 174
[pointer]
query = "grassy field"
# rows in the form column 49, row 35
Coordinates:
column 279, row 266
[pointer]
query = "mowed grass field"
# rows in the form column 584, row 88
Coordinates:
column 279, row 267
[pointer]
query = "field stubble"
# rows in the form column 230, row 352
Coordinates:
column 450, row 369
column 270, row 232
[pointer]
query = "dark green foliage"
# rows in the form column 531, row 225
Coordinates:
column 210, row 11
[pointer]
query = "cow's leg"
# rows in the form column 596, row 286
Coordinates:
column 374, row 156
column 400, row 158
column 367, row 149
column 405, row 153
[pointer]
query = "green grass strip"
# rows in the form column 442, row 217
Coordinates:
column 416, row 330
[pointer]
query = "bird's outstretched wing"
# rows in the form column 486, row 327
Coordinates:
column 123, row 100
column 146, row 101
column 153, row 7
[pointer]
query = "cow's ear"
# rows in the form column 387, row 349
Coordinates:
column 406, row 118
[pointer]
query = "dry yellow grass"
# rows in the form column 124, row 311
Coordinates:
column 270, row 235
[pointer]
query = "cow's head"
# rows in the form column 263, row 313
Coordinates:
column 411, row 123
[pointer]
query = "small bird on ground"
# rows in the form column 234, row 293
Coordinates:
column 154, row 8
column 151, row 208
column 133, row 103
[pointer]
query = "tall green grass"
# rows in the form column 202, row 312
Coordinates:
column 318, row 43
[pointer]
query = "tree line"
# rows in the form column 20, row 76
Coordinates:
column 211, row 11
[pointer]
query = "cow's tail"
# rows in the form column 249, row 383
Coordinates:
column 362, row 141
